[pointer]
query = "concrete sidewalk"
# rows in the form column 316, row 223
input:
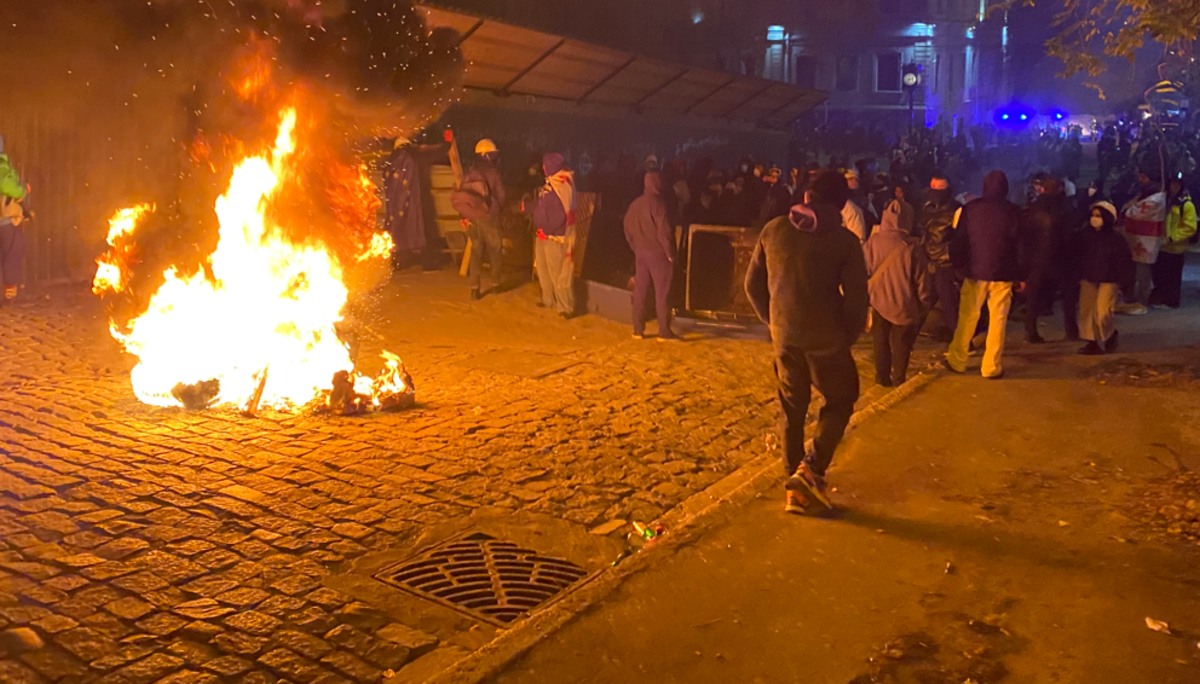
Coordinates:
column 980, row 533
column 987, row 531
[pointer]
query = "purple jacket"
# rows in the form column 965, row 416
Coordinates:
column 647, row 229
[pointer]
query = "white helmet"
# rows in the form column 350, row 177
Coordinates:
column 484, row 146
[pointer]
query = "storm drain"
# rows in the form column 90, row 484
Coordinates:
column 487, row 578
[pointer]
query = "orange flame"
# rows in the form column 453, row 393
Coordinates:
column 265, row 301
column 112, row 266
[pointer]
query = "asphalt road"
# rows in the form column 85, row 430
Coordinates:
column 987, row 532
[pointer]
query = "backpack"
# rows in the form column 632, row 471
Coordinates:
column 472, row 200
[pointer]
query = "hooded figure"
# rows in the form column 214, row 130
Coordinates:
column 652, row 239
column 402, row 192
column 899, row 287
column 986, row 247
column 935, row 224
column 554, row 218
column 1105, row 267
column 1048, row 223
column 808, row 282
column 12, row 235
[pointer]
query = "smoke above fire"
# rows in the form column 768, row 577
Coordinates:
column 161, row 87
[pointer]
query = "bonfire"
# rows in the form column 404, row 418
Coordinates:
column 256, row 325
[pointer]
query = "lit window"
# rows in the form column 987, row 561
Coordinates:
column 774, row 33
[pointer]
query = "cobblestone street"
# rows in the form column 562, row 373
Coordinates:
column 144, row 545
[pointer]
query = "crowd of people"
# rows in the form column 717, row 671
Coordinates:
column 965, row 255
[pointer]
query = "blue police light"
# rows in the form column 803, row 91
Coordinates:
column 1024, row 117
column 1004, row 117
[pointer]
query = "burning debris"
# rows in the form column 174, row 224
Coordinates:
column 249, row 320
column 196, row 396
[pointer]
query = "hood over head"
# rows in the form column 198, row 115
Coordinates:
column 552, row 163
column 995, row 185
column 897, row 217
column 653, row 183
column 802, row 218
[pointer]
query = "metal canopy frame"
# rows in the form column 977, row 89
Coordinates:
column 510, row 60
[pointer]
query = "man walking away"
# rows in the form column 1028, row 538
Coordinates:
column 12, row 235
column 554, row 218
column 650, row 236
column 1180, row 227
column 808, row 282
column 479, row 201
column 986, row 247
column 900, row 288
column 935, row 224
column 1105, row 266
column 1048, row 223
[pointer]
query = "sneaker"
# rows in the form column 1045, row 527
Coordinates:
column 1091, row 349
column 794, row 503
column 639, row 336
column 1134, row 309
column 1035, row 339
column 670, row 338
column 809, row 483
column 476, row 295
column 1111, row 345
column 952, row 369
column 997, row 376
column 565, row 316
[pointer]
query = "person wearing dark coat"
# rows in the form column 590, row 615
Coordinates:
column 406, row 218
column 1105, row 268
column 650, row 236
column 986, row 247
column 935, row 225
column 808, row 282
column 899, row 287
column 1047, row 223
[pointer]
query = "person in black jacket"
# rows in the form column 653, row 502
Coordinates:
column 1048, row 223
column 1105, row 267
column 807, row 280
column 986, row 248
column 935, row 225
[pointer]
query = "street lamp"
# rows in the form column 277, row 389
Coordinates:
column 911, row 80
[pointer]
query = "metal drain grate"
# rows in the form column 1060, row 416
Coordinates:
column 487, row 578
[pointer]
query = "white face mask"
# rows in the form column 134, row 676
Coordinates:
column 1091, row 191
column 1097, row 222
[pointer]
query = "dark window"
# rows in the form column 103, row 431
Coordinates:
column 887, row 72
column 951, row 75
column 806, row 71
column 937, row 72
column 847, row 74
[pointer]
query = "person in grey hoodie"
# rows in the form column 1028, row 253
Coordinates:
column 808, row 282
column 901, row 291
column 652, row 239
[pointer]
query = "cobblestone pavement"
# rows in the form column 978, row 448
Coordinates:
column 142, row 545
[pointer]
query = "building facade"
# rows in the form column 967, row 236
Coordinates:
column 859, row 56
